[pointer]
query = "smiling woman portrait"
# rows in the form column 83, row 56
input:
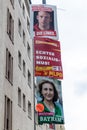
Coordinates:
column 49, row 96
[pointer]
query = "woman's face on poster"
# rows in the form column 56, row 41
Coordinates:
column 48, row 91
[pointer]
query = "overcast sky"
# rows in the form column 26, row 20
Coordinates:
column 72, row 27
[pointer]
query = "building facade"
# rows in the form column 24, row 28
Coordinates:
column 16, row 70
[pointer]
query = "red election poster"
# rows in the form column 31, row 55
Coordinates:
column 43, row 21
column 47, row 58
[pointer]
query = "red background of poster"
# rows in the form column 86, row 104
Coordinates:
column 47, row 58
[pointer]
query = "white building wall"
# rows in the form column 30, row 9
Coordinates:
column 20, row 119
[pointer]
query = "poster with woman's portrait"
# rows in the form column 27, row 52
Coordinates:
column 49, row 103
column 43, row 21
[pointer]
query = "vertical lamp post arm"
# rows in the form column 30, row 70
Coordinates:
column 43, row 1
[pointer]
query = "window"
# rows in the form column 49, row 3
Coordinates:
column 19, row 2
column 27, row 3
column 10, row 26
column 19, row 59
column 24, row 103
column 28, row 49
column 28, row 25
column 29, row 109
column 8, row 114
column 9, row 67
column 29, row 78
column 12, row 2
column 23, row 37
column 19, row 97
column 19, row 26
column 24, row 69
column 23, row 10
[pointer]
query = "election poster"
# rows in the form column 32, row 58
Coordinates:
column 43, row 21
column 47, row 58
column 49, row 104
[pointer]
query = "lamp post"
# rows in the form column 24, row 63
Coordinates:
column 43, row 1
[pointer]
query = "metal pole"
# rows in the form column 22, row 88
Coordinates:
column 43, row 1
column 34, row 87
